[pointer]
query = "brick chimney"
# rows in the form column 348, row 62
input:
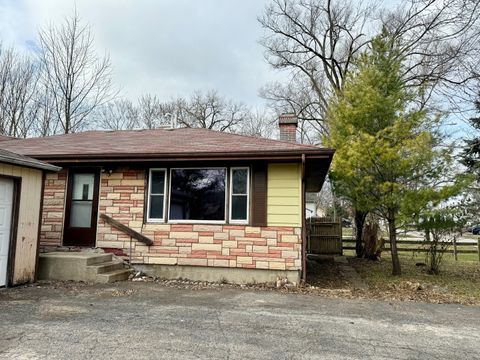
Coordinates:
column 288, row 127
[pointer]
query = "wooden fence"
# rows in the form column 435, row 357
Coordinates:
column 324, row 236
column 455, row 247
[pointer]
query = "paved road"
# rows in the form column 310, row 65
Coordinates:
column 144, row 320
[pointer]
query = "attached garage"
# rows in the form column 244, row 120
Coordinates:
column 21, row 184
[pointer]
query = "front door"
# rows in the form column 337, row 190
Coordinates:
column 81, row 208
column 6, row 205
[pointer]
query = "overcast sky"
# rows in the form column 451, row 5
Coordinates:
column 163, row 47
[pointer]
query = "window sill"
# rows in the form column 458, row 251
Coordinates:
column 154, row 222
column 238, row 222
column 194, row 222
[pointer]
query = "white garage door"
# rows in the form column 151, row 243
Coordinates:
column 6, row 203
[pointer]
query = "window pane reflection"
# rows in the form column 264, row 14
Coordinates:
column 197, row 194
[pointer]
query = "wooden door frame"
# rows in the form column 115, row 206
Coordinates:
column 39, row 231
column 95, row 201
column 12, row 245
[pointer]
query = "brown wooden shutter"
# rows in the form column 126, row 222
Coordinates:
column 259, row 194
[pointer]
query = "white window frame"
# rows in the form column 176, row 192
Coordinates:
column 176, row 221
column 149, row 193
column 231, row 194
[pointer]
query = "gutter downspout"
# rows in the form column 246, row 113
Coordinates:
column 304, row 237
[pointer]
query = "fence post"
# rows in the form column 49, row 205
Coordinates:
column 455, row 248
column 339, row 230
column 478, row 248
column 308, row 231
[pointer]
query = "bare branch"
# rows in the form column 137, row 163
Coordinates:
column 77, row 80
column 18, row 90
column 318, row 41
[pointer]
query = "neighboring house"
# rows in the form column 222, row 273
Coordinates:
column 311, row 205
column 196, row 203
column 20, row 202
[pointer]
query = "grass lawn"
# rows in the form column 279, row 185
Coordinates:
column 347, row 232
column 470, row 236
column 458, row 282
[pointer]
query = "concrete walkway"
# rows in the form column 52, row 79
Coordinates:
column 147, row 321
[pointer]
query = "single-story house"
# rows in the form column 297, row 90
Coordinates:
column 191, row 203
column 20, row 203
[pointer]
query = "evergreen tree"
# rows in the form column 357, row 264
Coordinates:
column 387, row 153
column 471, row 153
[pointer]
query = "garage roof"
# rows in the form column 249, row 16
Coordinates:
column 21, row 160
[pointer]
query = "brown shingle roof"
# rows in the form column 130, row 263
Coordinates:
column 164, row 143
column 7, row 138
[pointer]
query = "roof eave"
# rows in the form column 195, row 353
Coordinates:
column 29, row 164
column 127, row 157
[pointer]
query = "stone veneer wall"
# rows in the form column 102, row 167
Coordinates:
column 122, row 197
column 53, row 210
column 237, row 246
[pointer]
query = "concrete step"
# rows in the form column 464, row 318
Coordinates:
column 104, row 267
column 99, row 258
column 81, row 266
column 113, row 276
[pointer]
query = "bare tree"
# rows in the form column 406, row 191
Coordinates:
column 148, row 112
column 211, row 111
column 440, row 47
column 317, row 41
column 258, row 123
column 76, row 78
column 153, row 113
column 296, row 97
column 120, row 114
column 18, row 89
column 201, row 110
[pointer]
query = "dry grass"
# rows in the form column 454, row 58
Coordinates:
column 458, row 282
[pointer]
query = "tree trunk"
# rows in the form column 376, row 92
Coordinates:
column 392, row 234
column 359, row 222
column 427, row 235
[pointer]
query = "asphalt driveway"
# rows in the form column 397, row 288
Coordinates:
column 148, row 321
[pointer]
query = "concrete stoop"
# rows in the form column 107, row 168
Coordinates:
column 81, row 266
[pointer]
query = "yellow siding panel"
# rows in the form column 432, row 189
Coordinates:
column 284, row 220
column 282, row 200
column 283, row 209
column 284, row 195
column 284, row 171
column 284, row 183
